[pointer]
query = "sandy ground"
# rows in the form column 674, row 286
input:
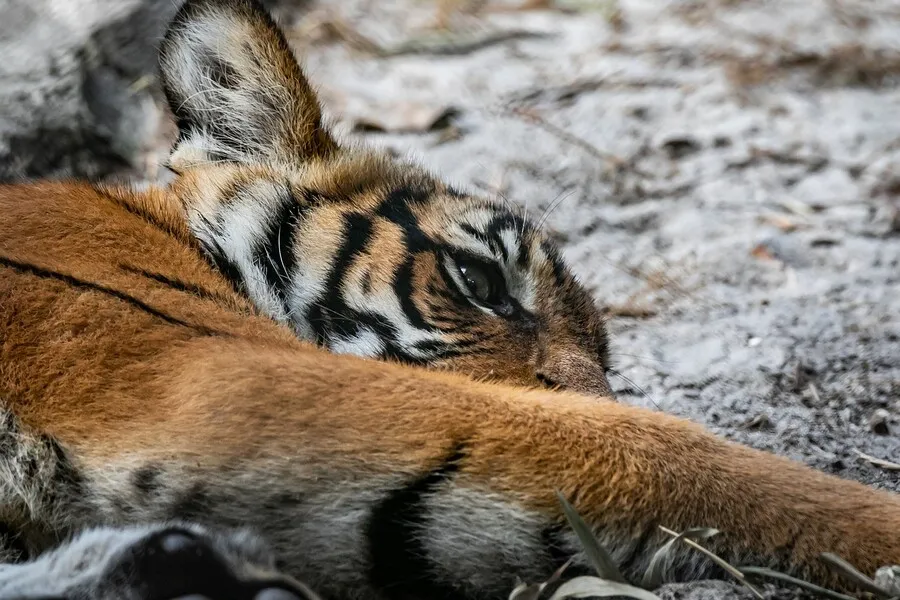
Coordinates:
column 724, row 175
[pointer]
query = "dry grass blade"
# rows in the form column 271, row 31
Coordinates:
column 440, row 43
column 734, row 571
column 532, row 591
column 888, row 578
column 594, row 587
column 308, row 594
column 570, row 138
column 653, row 576
column 526, row 591
column 878, row 462
column 558, row 573
column 810, row 587
column 457, row 43
column 599, row 557
column 849, row 572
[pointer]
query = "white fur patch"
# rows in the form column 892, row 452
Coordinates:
column 481, row 538
column 366, row 343
column 245, row 224
column 385, row 303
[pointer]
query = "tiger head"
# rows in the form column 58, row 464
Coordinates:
column 355, row 251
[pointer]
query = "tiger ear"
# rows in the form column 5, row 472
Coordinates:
column 236, row 89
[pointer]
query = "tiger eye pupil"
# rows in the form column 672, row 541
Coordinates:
column 477, row 281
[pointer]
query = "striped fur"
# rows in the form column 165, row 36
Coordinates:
column 357, row 252
column 373, row 269
column 148, row 392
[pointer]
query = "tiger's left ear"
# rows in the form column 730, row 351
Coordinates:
column 236, row 89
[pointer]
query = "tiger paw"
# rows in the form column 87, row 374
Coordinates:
column 164, row 562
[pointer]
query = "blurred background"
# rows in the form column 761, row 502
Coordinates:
column 724, row 175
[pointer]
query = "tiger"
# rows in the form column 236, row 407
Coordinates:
column 303, row 367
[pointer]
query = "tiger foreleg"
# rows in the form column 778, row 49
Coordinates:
column 378, row 480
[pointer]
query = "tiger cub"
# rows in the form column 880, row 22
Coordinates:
column 169, row 428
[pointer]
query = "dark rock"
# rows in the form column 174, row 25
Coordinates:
column 78, row 88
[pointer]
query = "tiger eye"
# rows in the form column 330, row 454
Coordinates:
column 478, row 282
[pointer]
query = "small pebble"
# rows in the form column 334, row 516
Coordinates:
column 276, row 594
column 888, row 579
column 878, row 423
column 759, row 422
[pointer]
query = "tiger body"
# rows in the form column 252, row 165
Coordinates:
column 183, row 354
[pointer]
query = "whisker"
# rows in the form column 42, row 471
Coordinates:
column 333, row 313
column 207, row 163
column 524, row 219
column 284, row 279
column 549, row 206
column 506, row 201
column 640, row 357
column 634, row 385
column 553, row 207
column 280, row 256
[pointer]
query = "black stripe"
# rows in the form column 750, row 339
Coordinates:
column 275, row 253
column 394, row 352
column 68, row 491
column 146, row 480
column 441, row 307
column 400, row 565
column 193, row 504
column 314, row 316
column 449, row 323
column 144, row 215
column 403, row 287
column 220, row 261
column 478, row 235
column 560, row 273
column 377, row 323
column 87, row 285
column 438, row 348
column 633, row 564
column 344, row 325
column 396, row 209
column 356, row 233
column 491, row 238
column 365, row 283
column 504, row 221
column 524, row 257
column 181, row 286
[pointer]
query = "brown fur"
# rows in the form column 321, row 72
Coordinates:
column 119, row 341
